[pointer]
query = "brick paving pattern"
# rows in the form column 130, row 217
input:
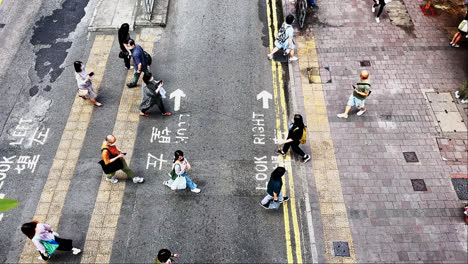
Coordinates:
column 389, row 220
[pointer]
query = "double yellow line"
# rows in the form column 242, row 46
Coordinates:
column 282, row 125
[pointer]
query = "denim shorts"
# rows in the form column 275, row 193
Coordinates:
column 353, row 101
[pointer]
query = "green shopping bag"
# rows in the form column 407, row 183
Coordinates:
column 50, row 245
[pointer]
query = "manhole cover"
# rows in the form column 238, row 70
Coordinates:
column 410, row 157
column 461, row 187
column 365, row 63
column 341, row 249
column 419, row 185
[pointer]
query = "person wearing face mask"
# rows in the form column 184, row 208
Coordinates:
column 153, row 93
column 83, row 79
column 139, row 61
column 111, row 154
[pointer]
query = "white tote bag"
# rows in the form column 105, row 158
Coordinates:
column 179, row 183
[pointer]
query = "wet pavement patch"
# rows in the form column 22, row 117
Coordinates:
column 33, row 90
column 365, row 63
column 2, row 25
column 419, row 185
column 461, row 187
column 410, row 157
column 48, row 30
column 341, row 249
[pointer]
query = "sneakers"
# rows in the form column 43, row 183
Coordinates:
column 373, row 9
column 285, row 199
column 281, row 152
column 76, row 251
column 265, row 206
column 166, row 183
column 343, row 115
column 361, row 112
column 196, row 190
column 113, row 180
column 286, row 52
column 465, row 101
column 293, row 58
column 306, row 158
column 131, row 85
column 377, row 20
column 270, row 57
column 138, row 180
column 457, row 93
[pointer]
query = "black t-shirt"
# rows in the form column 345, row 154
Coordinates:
column 295, row 133
column 274, row 186
column 123, row 39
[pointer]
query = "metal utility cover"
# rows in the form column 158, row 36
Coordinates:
column 450, row 122
column 419, row 185
column 313, row 73
column 341, row 249
column 444, row 106
column 410, row 157
column 439, row 97
column 365, row 63
column 461, row 187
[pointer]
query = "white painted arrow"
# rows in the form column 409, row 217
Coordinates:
column 177, row 94
column 264, row 95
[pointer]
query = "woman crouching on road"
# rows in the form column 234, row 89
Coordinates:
column 47, row 241
column 83, row 79
column 180, row 168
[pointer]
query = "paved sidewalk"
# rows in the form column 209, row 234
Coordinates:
column 389, row 220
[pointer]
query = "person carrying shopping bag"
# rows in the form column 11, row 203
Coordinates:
column 47, row 241
column 178, row 174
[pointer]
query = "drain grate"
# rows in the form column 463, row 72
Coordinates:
column 341, row 249
column 410, row 157
column 419, row 185
column 365, row 63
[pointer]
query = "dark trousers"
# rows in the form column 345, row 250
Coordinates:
column 136, row 75
column 127, row 61
column 295, row 147
column 382, row 5
column 64, row 245
column 158, row 101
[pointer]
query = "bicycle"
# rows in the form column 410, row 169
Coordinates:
column 301, row 12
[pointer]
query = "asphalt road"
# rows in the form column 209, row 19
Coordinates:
column 215, row 52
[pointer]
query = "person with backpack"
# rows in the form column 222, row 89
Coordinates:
column 285, row 40
column 274, row 195
column 296, row 134
column 153, row 93
column 359, row 95
column 165, row 256
column 180, row 167
column 47, row 241
column 138, row 55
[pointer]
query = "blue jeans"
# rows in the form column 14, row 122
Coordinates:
column 312, row 2
column 190, row 183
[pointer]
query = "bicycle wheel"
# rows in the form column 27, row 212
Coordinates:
column 301, row 12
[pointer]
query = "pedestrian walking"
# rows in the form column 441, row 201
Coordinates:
column 153, row 93
column 165, row 256
column 47, row 241
column 83, row 79
column 124, row 37
column 462, row 30
column 359, row 95
column 382, row 4
column 274, row 194
column 285, row 39
column 295, row 134
column 462, row 93
column 113, row 160
column 139, row 61
column 180, row 167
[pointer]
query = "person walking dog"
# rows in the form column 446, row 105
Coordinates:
column 178, row 174
column 113, row 160
column 46, row 241
column 274, row 194
column 83, row 79
column 359, row 95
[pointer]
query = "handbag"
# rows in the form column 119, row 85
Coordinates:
column 49, row 245
column 463, row 26
column 123, row 54
column 111, row 167
column 83, row 93
column 179, row 183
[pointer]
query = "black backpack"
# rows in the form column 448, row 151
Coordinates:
column 148, row 59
